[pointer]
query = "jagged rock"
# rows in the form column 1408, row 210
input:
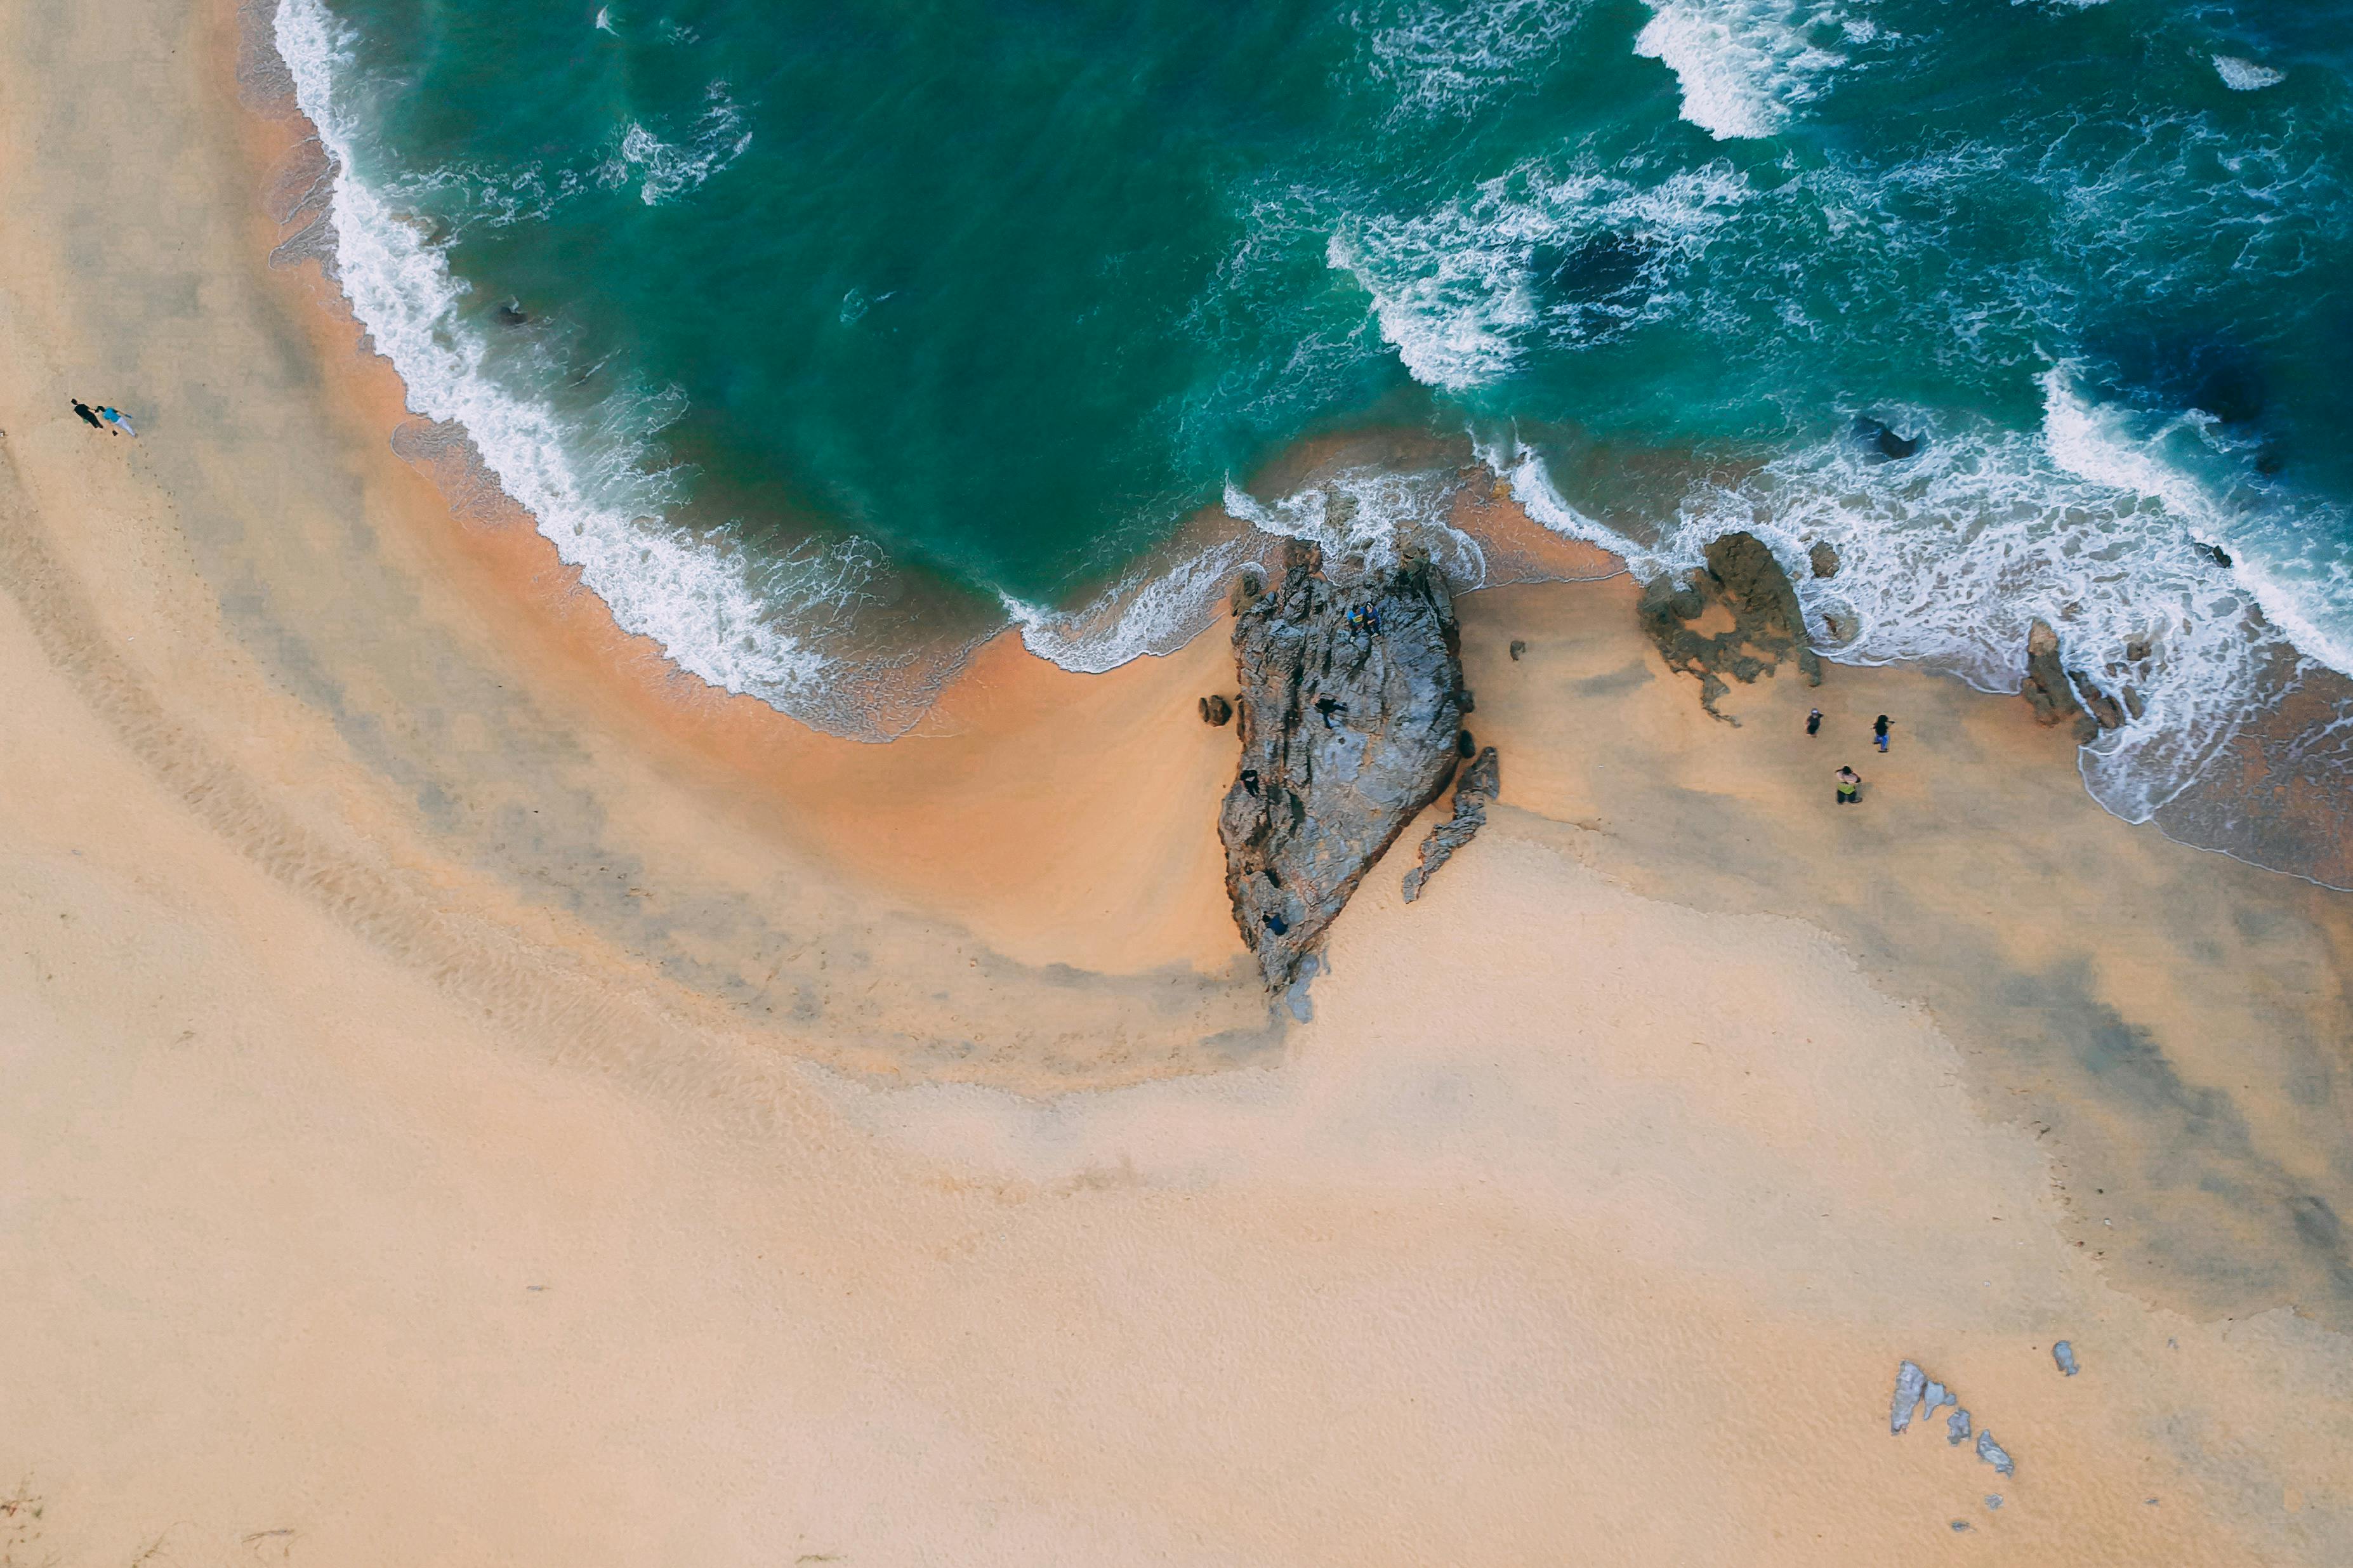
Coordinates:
column 2138, row 650
column 2097, row 703
column 1743, row 579
column 1936, row 1397
column 1956, row 1428
column 1824, row 559
column 1475, row 789
column 1994, row 1454
column 1911, row 1383
column 1216, row 710
column 2050, row 691
column 1349, row 709
column 1518, row 648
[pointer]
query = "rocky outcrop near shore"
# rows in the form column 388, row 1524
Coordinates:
column 1351, row 706
column 1475, row 791
column 2059, row 695
column 1745, row 597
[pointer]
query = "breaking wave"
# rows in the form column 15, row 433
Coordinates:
column 1745, row 66
column 589, row 477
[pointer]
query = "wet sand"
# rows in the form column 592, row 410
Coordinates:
column 478, row 1095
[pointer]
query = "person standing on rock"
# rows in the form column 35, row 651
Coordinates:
column 1814, row 722
column 1879, row 731
column 1849, row 786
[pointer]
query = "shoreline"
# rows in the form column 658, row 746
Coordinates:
column 480, row 1099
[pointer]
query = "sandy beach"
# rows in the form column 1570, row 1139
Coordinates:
column 481, row 1095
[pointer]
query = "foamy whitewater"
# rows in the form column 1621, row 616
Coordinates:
column 808, row 337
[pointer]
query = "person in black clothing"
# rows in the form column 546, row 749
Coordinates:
column 1879, row 731
column 1814, row 722
column 88, row 415
column 1849, row 786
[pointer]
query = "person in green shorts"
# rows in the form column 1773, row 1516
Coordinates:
column 1849, row 786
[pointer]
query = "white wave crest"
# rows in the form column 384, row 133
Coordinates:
column 1464, row 291
column 2246, row 76
column 1743, row 66
column 663, row 169
column 583, row 477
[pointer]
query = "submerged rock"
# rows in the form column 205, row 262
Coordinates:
column 1911, row 1382
column 1993, row 1454
column 1351, row 700
column 1824, row 559
column 1883, row 442
column 512, row 314
column 1474, row 790
column 1746, row 584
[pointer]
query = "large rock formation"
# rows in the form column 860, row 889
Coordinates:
column 1474, row 791
column 1351, row 703
column 2059, row 695
column 1745, row 593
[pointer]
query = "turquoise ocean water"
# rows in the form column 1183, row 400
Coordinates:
column 826, row 339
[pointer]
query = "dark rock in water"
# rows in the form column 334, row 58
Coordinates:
column 1994, row 1454
column 1956, row 1428
column 512, row 314
column 2064, row 1353
column 2214, row 552
column 1475, row 789
column 1744, row 579
column 2049, row 690
column 1911, row 1382
column 1348, row 726
column 2138, row 650
column 1216, row 710
column 1883, row 442
column 1824, row 559
column 2102, row 707
column 1518, row 648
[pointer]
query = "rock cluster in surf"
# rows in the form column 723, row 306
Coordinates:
column 1474, row 791
column 1743, row 594
column 2059, row 695
column 1350, row 714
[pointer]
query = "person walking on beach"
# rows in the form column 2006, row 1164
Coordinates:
column 119, row 420
column 88, row 415
column 1814, row 722
column 1849, row 786
column 1879, row 731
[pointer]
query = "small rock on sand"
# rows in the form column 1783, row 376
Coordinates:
column 1910, row 1384
column 2064, row 1353
column 1956, row 1428
column 1994, row 1454
column 1518, row 648
column 1216, row 710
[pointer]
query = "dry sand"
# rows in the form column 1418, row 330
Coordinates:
column 475, row 1098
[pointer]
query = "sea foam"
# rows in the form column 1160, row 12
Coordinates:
column 1948, row 557
column 1744, row 65
column 1463, row 292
